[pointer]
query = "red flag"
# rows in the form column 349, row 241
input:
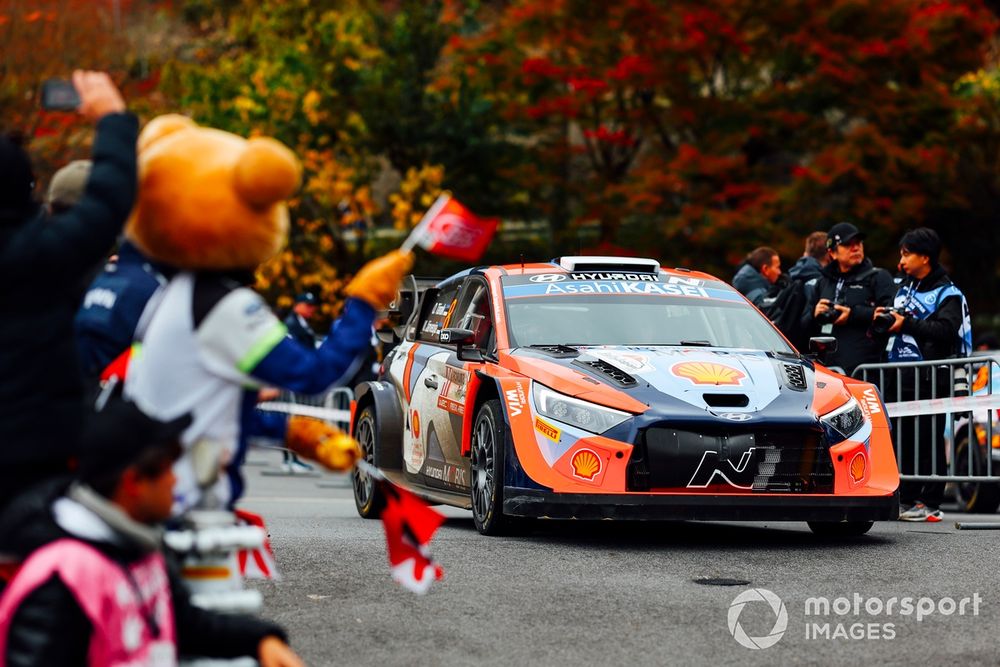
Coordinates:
column 256, row 563
column 409, row 525
column 451, row 230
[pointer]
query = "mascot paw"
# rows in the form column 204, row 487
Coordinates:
column 378, row 280
column 323, row 443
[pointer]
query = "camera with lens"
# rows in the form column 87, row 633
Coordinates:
column 828, row 316
column 884, row 320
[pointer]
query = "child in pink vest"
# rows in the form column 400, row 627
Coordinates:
column 96, row 587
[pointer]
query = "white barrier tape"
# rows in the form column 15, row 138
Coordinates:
column 326, row 414
column 938, row 406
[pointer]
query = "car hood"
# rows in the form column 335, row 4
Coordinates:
column 731, row 385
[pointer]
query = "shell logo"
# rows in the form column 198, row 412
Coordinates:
column 415, row 424
column 701, row 372
column 858, row 466
column 586, row 464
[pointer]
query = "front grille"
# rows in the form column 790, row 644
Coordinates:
column 613, row 372
column 795, row 376
column 772, row 460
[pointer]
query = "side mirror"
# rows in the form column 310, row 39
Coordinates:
column 820, row 346
column 461, row 338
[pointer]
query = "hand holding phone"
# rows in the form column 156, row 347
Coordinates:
column 59, row 95
column 91, row 93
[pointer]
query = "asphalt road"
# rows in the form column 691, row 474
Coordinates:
column 574, row 593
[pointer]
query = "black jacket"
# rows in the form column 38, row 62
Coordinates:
column 862, row 289
column 50, row 629
column 44, row 262
column 937, row 335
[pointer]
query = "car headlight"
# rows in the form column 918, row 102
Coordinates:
column 573, row 411
column 843, row 422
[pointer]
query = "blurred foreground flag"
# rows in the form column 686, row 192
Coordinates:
column 448, row 229
column 409, row 525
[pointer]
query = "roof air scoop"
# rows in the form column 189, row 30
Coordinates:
column 597, row 263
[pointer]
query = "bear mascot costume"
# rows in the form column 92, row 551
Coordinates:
column 211, row 204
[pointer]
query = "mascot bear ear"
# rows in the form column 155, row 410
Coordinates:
column 162, row 126
column 267, row 173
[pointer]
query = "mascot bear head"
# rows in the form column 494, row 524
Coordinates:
column 208, row 199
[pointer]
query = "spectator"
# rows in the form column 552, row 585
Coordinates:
column 758, row 274
column 930, row 320
column 809, row 267
column 106, row 322
column 96, row 587
column 43, row 263
column 67, row 186
column 299, row 321
column 845, row 298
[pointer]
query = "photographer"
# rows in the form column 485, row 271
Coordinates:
column 929, row 320
column 847, row 293
column 44, row 261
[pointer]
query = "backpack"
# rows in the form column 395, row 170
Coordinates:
column 785, row 308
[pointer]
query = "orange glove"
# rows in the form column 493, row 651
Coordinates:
column 378, row 280
column 321, row 442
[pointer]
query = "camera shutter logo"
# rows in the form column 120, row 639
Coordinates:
column 780, row 620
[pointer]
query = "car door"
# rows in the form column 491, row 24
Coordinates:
column 440, row 392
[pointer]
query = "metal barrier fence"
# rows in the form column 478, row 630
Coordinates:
column 956, row 397
column 334, row 406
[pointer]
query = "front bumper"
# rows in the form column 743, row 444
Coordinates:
column 647, row 506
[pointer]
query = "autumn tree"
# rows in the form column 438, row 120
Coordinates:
column 717, row 126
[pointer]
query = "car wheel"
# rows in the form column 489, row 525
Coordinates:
column 840, row 528
column 489, row 438
column 368, row 497
column 977, row 497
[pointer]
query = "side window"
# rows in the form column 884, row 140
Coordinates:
column 439, row 314
column 474, row 314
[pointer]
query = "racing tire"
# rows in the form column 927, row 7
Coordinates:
column 368, row 496
column 840, row 528
column 974, row 497
column 489, row 444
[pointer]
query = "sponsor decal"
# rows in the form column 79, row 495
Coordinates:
column 632, row 362
column 586, row 464
column 448, row 405
column 447, row 473
column 644, row 277
column 515, row 399
column 872, row 401
column 736, row 416
column 547, row 429
column 548, row 278
column 700, row 372
column 634, row 287
column 858, row 467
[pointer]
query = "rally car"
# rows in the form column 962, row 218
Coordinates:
column 610, row 388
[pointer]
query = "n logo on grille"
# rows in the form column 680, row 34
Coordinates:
column 741, row 474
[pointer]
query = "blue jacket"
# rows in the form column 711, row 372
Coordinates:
column 105, row 323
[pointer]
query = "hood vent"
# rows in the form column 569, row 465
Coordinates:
column 561, row 351
column 795, row 376
column 726, row 400
column 614, row 373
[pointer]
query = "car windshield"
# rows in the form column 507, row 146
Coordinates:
column 638, row 319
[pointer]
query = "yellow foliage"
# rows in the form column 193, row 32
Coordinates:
column 417, row 192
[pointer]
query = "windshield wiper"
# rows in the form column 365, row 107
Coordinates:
column 697, row 343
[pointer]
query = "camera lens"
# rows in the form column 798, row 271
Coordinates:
column 882, row 323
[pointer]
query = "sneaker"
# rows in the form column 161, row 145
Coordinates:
column 299, row 467
column 921, row 512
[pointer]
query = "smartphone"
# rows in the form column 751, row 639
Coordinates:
column 59, row 95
